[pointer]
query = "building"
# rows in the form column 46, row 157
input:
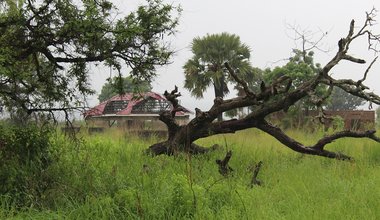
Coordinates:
column 351, row 119
column 133, row 112
column 355, row 119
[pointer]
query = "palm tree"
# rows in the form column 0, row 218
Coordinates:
column 206, row 67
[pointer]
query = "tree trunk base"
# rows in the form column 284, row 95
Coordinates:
column 171, row 149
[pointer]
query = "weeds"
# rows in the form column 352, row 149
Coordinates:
column 108, row 177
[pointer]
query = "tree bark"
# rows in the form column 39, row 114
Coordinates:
column 271, row 98
column 219, row 92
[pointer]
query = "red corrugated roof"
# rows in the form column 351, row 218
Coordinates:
column 132, row 99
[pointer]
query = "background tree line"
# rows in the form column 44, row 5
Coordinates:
column 206, row 69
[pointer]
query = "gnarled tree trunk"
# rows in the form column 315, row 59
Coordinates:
column 272, row 98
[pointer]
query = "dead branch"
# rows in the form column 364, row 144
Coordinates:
column 359, row 82
column 354, row 134
column 172, row 96
column 239, row 81
column 224, row 168
column 318, row 148
column 273, row 97
column 168, row 117
column 256, row 170
column 306, row 37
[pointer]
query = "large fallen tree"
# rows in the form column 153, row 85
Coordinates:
column 274, row 97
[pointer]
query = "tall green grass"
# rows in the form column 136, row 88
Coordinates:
column 109, row 177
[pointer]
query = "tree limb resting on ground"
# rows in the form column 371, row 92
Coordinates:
column 274, row 97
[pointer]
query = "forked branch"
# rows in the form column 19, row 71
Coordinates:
column 318, row 148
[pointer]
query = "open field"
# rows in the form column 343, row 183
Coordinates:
column 108, row 177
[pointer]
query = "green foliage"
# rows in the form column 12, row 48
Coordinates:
column 107, row 177
column 46, row 47
column 300, row 68
column 121, row 85
column 342, row 100
column 338, row 123
column 206, row 67
column 24, row 158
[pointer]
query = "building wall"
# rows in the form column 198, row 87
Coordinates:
column 353, row 119
column 135, row 123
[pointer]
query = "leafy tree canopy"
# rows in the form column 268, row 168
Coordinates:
column 121, row 85
column 206, row 68
column 341, row 100
column 46, row 47
column 299, row 69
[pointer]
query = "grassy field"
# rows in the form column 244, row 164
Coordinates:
column 108, row 177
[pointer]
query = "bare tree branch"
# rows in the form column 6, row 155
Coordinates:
column 306, row 37
column 239, row 81
column 297, row 146
column 329, row 139
column 366, row 72
column 274, row 97
column 224, row 168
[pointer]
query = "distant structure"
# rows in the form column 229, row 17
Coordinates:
column 355, row 119
column 133, row 112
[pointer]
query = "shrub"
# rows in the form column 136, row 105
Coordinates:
column 24, row 158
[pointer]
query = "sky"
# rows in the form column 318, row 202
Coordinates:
column 264, row 27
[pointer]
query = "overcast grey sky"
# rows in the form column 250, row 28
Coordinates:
column 262, row 25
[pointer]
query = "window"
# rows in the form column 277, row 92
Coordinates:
column 355, row 124
column 115, row 106
column 151, row 105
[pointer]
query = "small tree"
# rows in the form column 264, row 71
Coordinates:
column 121, row 85
column 276, row 96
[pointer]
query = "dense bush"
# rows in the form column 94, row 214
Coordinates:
column 24, row 158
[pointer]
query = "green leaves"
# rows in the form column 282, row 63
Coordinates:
column 341, row 100
column 57, row 39
column 25, row 155
column 300, row 68
column 121, row 85
column 206, row 67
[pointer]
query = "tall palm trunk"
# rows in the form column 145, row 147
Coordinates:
column 219, row 92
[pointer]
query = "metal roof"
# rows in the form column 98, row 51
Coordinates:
column 149, row 103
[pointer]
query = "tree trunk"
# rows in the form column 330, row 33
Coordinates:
column 177, row 143
column 173, row 148
column 274, row 97
column 219, row 92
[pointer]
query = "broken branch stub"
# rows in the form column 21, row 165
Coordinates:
column 224, row 168
column 256, row 170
